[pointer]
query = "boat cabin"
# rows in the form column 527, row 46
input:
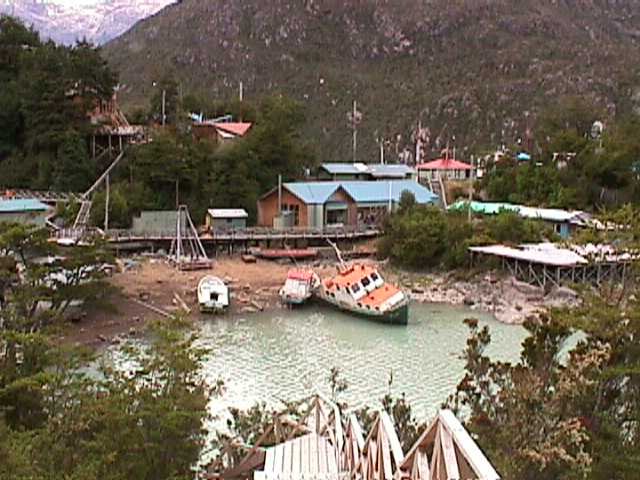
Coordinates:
column 363, row 286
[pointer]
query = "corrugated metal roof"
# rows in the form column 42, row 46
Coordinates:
column 236, row 128
column 313, row 193
column 445, row 164
column 394, row 170
column 548, row 214
column 543, row 253
column 228, row 213
column 361, row 191
column 484, row 208
column 22, row 205
column 345, row 168
column 375, row 169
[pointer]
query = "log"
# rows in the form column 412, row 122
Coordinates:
column 154, row 309
column 255, row 304
column 182, row 303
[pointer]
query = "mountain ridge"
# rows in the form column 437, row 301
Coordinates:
column 478, row 71
column 98, row 23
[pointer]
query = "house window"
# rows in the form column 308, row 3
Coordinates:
column 295, row 211
column 336, row 217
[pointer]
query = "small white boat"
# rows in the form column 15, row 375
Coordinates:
column 298, row 287
column 213, row 295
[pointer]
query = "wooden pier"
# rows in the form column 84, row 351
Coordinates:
column 228, row 241
column 324, row 445
column 555, row 267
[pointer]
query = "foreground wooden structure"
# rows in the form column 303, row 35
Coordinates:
column 324, row 445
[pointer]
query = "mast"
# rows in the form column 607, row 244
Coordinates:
column 338, row 254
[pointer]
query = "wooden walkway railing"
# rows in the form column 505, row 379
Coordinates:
column 256, row 234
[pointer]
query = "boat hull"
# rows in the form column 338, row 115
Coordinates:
column 397, row 316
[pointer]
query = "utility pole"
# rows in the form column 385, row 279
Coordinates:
column 106, row 205
column 241, row 91
column 470, row 189
column 418, row 143
column 279, row 195
column 381, row 151
column 164, row 106
column 355, row 130
column 177, row 193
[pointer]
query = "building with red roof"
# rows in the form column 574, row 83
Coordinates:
column 221, row 131
column 445, row 168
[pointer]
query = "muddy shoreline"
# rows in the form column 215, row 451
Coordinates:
column 254, row 288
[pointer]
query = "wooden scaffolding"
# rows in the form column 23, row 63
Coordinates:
column 323, row 445
column 187, row 252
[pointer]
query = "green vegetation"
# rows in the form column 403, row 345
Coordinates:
column 57, row 421
column 419, row 237
column 177, row 169
column 589, row 171
column 564, row 413
column 482, row 71
column 46, row 91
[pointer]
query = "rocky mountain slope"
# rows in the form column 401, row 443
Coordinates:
column 478, row 71
column 97, row 20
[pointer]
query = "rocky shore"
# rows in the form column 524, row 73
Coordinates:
column 508, row 299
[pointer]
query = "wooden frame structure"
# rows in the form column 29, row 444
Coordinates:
column 445, row 451
column 187, row 252
column 545, row 274
column 321, row 445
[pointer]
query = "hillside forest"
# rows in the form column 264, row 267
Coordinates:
column 47, row 90
column 569, row 409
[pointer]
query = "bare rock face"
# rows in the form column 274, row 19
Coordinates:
column 97, row 21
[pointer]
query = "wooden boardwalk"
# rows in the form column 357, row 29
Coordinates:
column 241, row 239
column 323, row 445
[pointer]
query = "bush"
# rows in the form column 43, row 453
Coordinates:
column 416, row 238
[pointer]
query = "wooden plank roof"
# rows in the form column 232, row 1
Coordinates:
column 310, row 455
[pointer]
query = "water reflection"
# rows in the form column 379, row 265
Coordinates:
column 288, row 355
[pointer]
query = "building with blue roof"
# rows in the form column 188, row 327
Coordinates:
column 26, row 211
column 341, row 203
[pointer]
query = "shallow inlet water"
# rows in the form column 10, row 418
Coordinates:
column 288, row 355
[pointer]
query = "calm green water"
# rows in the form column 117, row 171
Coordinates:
column 288, row 355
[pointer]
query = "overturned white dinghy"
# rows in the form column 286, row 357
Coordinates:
column 213, row 295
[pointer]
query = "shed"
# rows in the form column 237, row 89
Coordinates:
column 226, row 218
column 26, row 211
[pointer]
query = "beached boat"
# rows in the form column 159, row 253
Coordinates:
column 213, row 295
column 299, row 286
column 360, row 289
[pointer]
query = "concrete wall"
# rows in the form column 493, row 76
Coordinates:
column 26, row 218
